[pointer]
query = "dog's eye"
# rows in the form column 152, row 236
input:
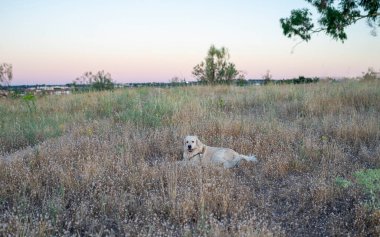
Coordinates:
column 192, row 141
column 187, row 141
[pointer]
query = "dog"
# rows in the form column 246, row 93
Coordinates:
column 194, row 151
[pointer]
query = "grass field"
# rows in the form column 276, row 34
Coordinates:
column 103, row 163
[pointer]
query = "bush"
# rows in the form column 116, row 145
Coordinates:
column 216, row 68
column 99, row 81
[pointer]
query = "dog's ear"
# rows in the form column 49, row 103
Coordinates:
column 198, row 142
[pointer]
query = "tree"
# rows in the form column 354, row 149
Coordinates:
column 6, row 73
column 177, row 80
column 99, row 81
column 102, row 81
column 216, row 68
column 335, row 17
column 267, row 76
column 371, row 75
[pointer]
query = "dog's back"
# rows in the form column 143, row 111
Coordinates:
column 228, row 157
column 195, row 150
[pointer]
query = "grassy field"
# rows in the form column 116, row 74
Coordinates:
column 103, row 163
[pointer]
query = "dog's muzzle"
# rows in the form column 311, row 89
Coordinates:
column 189, row 148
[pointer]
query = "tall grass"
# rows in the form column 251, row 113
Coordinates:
column 103, row 163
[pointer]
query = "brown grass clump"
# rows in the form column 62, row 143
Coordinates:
column 104, row 163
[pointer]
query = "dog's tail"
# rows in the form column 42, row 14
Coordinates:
column 251, row 158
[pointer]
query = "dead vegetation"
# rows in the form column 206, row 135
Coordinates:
column 104, row 163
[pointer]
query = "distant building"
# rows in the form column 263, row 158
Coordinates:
column 256, row 82
column 48, row 90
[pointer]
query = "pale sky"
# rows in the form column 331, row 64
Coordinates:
column 55, row 41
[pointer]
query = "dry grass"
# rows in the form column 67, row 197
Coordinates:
column 104, row 163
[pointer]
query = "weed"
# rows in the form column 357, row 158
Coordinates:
column 30, row 101
column 103, row 163
column 343, row 183
column 369, row 180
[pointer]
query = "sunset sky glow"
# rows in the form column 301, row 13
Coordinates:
column 53, row 42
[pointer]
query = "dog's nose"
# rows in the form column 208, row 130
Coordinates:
column 189, row 147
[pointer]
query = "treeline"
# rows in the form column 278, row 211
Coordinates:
column 299, row 80
column 238, row 82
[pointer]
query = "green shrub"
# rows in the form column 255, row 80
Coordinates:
column 343, row 183
column 369, row 181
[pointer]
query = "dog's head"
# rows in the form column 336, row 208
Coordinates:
column 192, row 144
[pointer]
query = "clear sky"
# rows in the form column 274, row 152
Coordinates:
column 55, row 41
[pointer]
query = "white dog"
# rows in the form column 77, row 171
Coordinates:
column 195, row 151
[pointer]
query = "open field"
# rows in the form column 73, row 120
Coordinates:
column 103, row 163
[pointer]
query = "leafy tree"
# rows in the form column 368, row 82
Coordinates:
column 6, row 73
column 99, row 81
column 216, row 68
column 335, row 17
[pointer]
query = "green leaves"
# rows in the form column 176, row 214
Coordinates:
column 29, row 100
column 102, row 81
column 298, row 24
column 335, row 17
column 216, row 68
column 369, row 179
column 343, row 183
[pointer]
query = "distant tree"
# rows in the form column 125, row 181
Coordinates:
column 98, row 81
column 216, row 67
column 85, row 79
column 371, row 74
column 6, row 74
column 267, row 76
column 103, row 81
column 177, row 80
column 241, row 81
column 335, row 17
